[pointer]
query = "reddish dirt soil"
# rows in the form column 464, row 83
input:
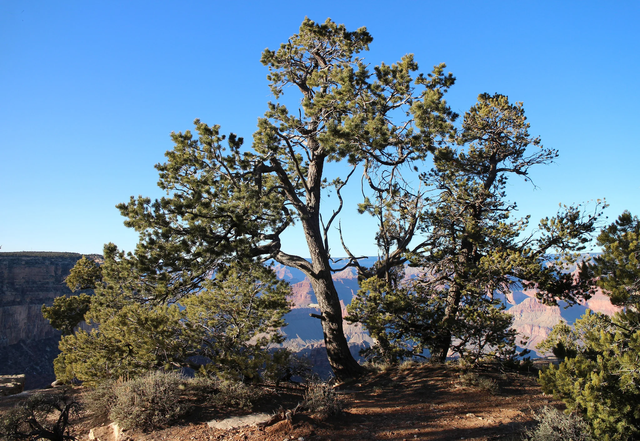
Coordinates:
column 412, row 401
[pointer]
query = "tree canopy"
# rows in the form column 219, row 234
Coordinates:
column 225, row 200
column 600, row 373
column 229, row 202
column 473, row 249
column 224, row 329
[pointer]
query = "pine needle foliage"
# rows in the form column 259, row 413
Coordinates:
column 600, row 374
column 227, row 327
column 473, row 249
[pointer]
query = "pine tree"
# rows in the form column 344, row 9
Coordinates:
column 228, row 325
column 472, row 247
column 67, row 313
column 600, row 374
column 227, row 201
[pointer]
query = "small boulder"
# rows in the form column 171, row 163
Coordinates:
column 106, row 433
column 240, row 421
column 11, row 384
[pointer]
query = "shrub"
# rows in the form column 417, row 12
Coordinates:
column 233, row 394
column 203, row 387
column 554, row 425
column 600, row 374
column 148, row 402
column 471, row 379
column 41, row 416
column 225, row 394
column 322, row 400
column 601, row 381
column 101, row 400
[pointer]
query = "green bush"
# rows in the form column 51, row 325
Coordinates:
column 41, row 416
column 600, row 374
column 601, row 381
column 148, row 402
column 554, row 425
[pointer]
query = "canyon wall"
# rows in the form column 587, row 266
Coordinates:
column 28, row 343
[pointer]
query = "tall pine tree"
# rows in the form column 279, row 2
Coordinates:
column 226, row 201
column 472, row 247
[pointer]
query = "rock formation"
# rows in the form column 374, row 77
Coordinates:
column 11, row 384
column 28, row 343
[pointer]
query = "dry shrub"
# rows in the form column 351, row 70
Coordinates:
column 233, row 394
column 100, row 400
column 225, row 394
column 554, row 425
column 322, row 400
column 148, row 402
column 471, row 379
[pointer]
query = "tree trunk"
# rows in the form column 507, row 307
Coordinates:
column 344, row 366
column 342, row 362
column 445, row 335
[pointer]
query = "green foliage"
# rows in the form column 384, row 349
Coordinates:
column 383, row 312
column 85, row 274
column 127, row 341
column 403, row 323
column 601, row 381
column 41, row 416
column 229, row 323
column 67, row 313
column 473, row 247
column 618, row 267
column 601, row 372
column 226, row 201
column 235, row 318
column 553, row 425
column 567, row 341
column 148, row 402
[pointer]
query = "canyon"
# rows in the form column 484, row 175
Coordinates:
column 28, row 344
column 532, row 319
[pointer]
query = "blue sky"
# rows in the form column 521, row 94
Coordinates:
column 90, row 91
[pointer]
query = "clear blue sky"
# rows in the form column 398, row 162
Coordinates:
column 90, row 90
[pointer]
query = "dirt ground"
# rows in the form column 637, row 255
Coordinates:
column 412, row 401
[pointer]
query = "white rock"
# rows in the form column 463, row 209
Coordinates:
column 240, row 421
